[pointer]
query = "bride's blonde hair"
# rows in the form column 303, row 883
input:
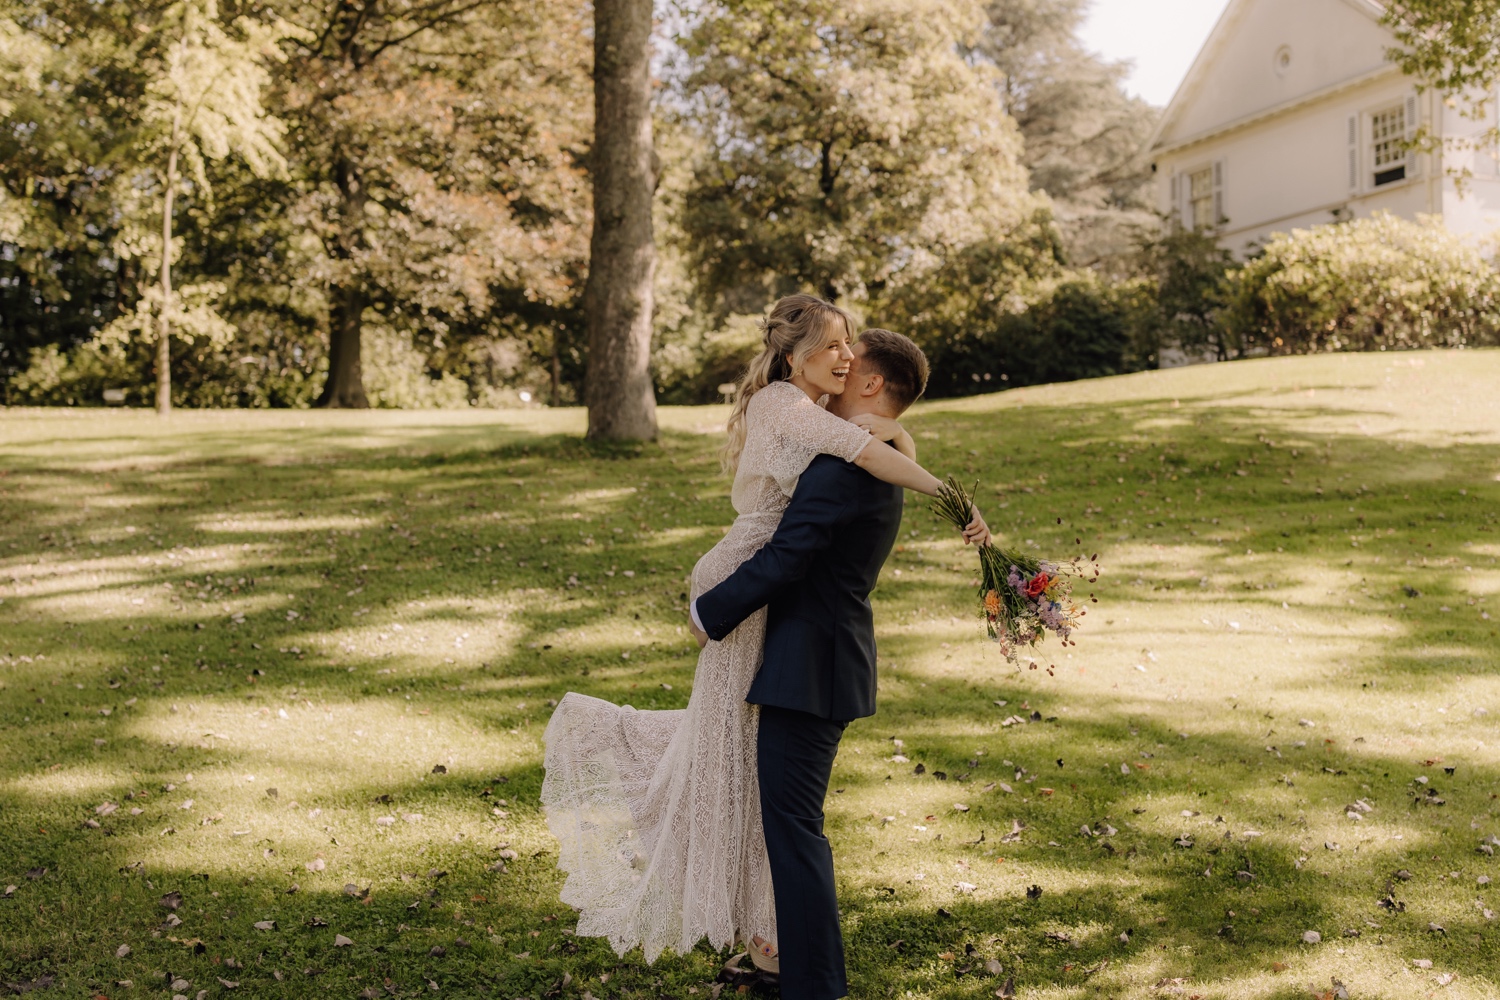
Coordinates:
column 797, row 326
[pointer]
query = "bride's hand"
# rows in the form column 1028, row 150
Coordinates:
column 977, row 532
column 882, row 428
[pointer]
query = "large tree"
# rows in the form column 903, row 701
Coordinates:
column 69, row 93
column 202, row 101
column 438, row 146
column 1084, row 135
column 436, row 189
column 850, row 145
column 108, row 133
column 622, row 251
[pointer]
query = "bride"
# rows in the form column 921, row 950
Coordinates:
column 657, row 812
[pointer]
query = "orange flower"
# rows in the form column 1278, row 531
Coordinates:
column 992, row 604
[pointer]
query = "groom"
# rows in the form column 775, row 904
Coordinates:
column 818, row 671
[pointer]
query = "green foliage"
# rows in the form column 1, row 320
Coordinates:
column 204, row 87
column 281, row 374
column 464, row 530
column 1380, row 283
column 1453, row 47
column 433, row 158
column 1083, row 134
column 77, row 378
column 1006, row 313
column 438, row 156
column 397, row 376
column 691, row 367
column 850, row 145
column 1186, row 287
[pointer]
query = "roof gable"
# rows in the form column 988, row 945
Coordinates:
column 1239, row 72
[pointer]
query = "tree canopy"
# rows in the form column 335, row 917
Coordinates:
column 849, row 144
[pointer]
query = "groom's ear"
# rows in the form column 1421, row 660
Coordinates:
column 874, row 385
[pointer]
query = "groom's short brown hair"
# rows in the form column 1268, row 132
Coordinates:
column 900, row 362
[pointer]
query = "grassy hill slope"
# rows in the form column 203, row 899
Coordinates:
column 243, row 654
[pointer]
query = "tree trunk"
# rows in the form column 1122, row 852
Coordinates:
column 345, row 388
column 618, row 298
column 556, row 371
column 164, row 322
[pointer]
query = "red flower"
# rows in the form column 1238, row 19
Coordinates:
column 1037, row 584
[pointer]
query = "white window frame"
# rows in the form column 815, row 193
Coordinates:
column 1361, row 143
column 1182, row 195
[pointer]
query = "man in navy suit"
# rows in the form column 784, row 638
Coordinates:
column 818, row 670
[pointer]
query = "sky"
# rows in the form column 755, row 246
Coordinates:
column 1160, row 37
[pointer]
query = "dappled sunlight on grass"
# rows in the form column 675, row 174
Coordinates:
column 372, row 614
column 59, row 782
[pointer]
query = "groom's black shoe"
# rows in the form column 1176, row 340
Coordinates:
column 734, row 974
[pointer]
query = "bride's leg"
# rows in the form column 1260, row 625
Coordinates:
column 756, row 901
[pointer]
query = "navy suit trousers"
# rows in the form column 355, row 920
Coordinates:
column 794, row 754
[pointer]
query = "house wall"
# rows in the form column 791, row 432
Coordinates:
column 1292, row 170
column 1279, row 132
column 1472, row 205
column 1329, row 41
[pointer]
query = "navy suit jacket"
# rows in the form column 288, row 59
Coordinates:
column 816, row 574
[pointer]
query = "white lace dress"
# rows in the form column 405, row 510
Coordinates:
column 657, row 813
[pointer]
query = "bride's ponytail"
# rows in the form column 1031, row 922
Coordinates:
column 797, row 326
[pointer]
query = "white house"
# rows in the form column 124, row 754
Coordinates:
column 1293, row 116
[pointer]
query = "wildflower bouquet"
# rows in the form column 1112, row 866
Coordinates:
column 1022, row 597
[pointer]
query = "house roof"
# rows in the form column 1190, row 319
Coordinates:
column 1223, row 31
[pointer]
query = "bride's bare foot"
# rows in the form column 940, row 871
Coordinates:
column 765, row 956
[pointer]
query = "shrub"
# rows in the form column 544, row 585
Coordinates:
column 76, row 378
column 262, row 368
column 1005, row 313
column 1079, row 329
column 396, row 375
column 690, row 367
column 1183, row 288
column 1380, row 283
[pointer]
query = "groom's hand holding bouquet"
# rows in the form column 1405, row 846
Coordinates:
column 1022, row 598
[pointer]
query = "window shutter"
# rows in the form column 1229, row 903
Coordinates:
column 1353, row 153
column 1175, row 205
column 1219, row 217
column 1413, row 160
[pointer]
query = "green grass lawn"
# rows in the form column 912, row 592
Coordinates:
column 271, row 683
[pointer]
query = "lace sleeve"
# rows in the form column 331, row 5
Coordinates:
column 802, row 430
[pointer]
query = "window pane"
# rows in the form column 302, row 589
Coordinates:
column 1388, row 131
column 1201, row 198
